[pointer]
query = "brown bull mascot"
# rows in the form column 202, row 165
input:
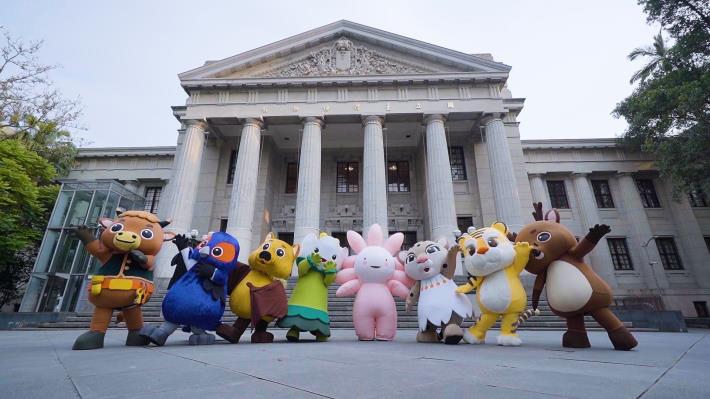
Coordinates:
column 126, row 249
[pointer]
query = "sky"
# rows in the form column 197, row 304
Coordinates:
column 122, row 58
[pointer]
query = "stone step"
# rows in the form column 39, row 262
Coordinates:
column 340, row 310
column 404, row 325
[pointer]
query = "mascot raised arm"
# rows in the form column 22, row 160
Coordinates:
column 126, row 249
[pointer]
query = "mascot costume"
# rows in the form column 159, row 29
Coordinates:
column 126, row 250
column 438, row 304
column 373, row 275
column 573, row 288
column 197, row 299
column 308, row 305
column 257, row 295
column 494, row 265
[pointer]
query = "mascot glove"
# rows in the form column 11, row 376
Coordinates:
column 181, row 241
column 138, row 257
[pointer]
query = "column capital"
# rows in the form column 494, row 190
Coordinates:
column 490, row 117
column 197, row 123
column 428, row 118
column 366, row 119
column 625, row 174
column 536, row 175
column 259, row 122
column 313, row 119
column 579, row 174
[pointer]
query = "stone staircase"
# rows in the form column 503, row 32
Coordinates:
column 340, row 310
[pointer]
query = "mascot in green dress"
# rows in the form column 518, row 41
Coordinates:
column 308, row 305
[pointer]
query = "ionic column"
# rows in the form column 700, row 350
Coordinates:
column 242, row 202
column 641, row 233
column 178, row 203
column 440, row 187
column 309, row 176
column 600, row 257
column 374, row 181
column 539, row 192
column 505, row 188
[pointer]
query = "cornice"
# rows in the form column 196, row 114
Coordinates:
column 449, row 77
column 349, row 29
column 570, row 143
column 125, row 151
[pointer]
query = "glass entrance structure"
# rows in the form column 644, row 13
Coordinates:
column 63, row 267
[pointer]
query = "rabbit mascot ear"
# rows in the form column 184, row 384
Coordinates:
column 378, row 271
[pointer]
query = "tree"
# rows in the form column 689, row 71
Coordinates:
column 35, row 148
column 668, row 114
column 657, row 53
column 15, row 274
column 28, row 98
column 26, row 198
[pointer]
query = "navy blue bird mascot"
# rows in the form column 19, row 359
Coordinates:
column 197, row 298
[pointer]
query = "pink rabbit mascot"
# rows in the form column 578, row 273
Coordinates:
column 373, row 275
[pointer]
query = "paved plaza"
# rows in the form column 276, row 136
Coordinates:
column 41, row 364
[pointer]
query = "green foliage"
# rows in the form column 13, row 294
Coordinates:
column 51, row 143
column 17, row 270
column 669, row 112
column 35, row 149
column 27, row 195
column 25, row 189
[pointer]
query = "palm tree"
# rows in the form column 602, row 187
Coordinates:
column 657, row 53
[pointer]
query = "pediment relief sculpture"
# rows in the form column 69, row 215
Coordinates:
column 344, row 58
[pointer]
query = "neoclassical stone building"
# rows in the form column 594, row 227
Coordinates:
column 345, row 126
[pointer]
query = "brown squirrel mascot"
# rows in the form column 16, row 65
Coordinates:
column 126, row 249
column 573, row 288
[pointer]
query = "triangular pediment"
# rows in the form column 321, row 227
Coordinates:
column 344, row 49
column 341, row 57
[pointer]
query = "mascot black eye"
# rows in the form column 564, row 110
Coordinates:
column 334, row 257
column 147, row 234
column 315, row 250
column 471, row 250
column 431, row 249
column 492, row 242
column 265, row 247
column 280, row 252
column 544, row 236
column 116, row 227
column 217, row 252
column 410, row 258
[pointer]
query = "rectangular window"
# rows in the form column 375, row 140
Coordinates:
column 458, row 164
column 558, row 194
column 232, row 166
column 647, row 191
column 152, row 198
column 620, row 254
column 707, row 242
column 602, row 193
column 463, row 223
column 223, row 225
column 410, row 238
column 669, row 253
column 347, row 177
column 291, row 177
column 398, row 176
column 286, row 236
column 701, row 308
column 698, row 199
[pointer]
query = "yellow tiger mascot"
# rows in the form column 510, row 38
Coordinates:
column 494, row 265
